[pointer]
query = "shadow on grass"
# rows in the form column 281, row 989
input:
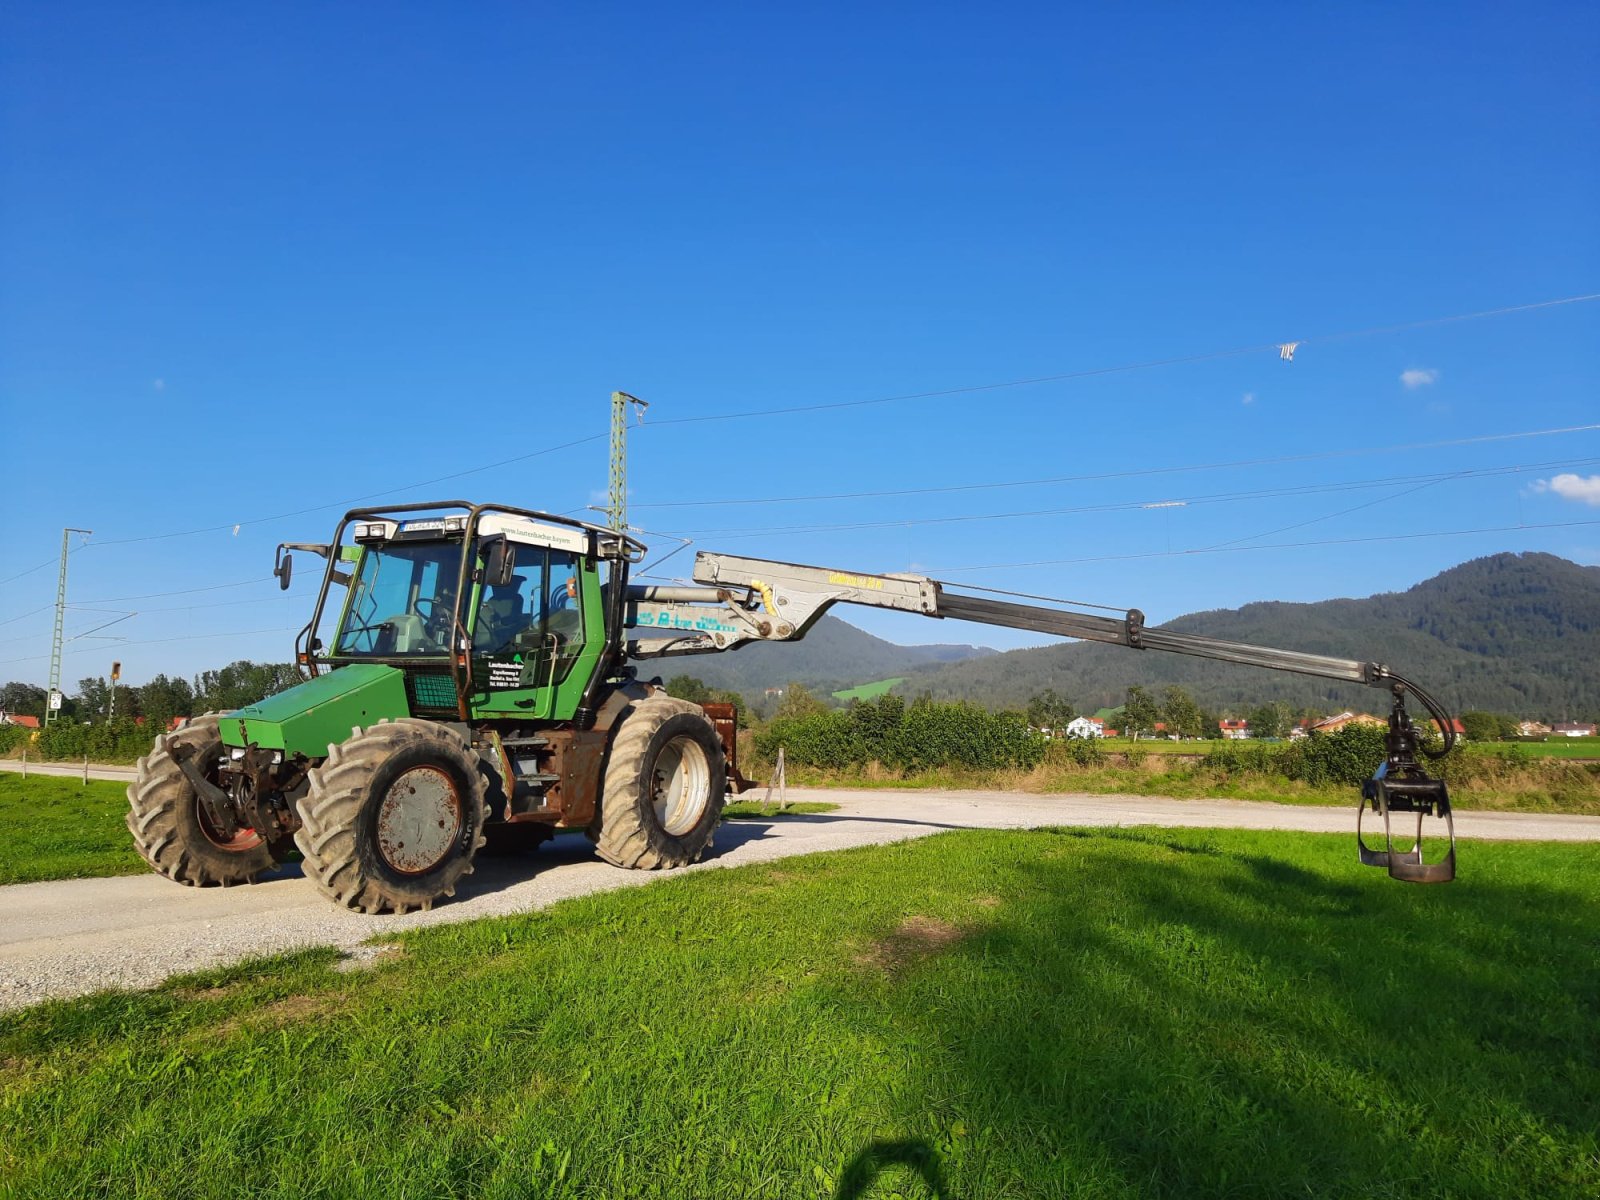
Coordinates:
column 862, row 1171
column 1253, row 1025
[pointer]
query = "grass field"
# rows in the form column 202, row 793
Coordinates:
column 869, row 691
column 54, row 828
column 1554, row 748
column 737, row 810
column 978, row 1014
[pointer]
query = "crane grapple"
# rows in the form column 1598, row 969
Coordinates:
column 743, row 600
column 1401, row 785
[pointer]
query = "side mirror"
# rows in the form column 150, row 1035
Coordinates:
column 501, row 562
column 283, row 569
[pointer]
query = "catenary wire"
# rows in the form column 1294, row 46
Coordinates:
column 843, row 404
column 1121, row 506
column 187, row 637
column 1352, row 541
column 1279, row 460
column 1146, row 364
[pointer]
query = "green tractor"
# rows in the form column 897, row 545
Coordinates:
column 472, row 681
column 476, row 680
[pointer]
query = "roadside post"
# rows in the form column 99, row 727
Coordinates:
column 778, row 781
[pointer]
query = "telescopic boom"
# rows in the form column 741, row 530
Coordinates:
column 744, row 600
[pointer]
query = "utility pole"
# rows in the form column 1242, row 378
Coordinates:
column 52, row 703
column 617, row 512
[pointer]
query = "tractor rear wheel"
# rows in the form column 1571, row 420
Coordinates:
column 665, row 782
column 170, row 827
column 393, row 816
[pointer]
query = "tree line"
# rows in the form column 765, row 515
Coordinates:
column 158, row 701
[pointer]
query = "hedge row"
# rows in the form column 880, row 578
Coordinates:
column 1345, row 757
column 907, row 738
column 67, row 741
column 926, row 735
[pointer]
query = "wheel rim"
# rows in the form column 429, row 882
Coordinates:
column 419, row 820
column 681, row 785
column 243, row 840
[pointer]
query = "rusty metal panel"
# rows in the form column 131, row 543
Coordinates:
column 574, row 755
column 725, row 719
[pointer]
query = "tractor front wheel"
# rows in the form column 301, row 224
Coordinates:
column 665, row 782
column 170, row 827
column 393, row 817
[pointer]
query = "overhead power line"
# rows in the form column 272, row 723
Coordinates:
column 1148, row 502
column 1145, row 364
column 188, row 637
column 1261, row 347
column 213, row 587
column 354, row 500
column 1351, row 541
column 20, row 574
column 1138, row 472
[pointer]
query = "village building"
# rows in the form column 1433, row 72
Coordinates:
column 1572, row 729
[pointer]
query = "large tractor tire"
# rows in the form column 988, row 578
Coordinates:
column 665, row 782
column 170, row 828
column 393, row 817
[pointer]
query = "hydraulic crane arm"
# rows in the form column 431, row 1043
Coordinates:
column 743, row 600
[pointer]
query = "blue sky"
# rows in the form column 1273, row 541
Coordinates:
column 259, row 259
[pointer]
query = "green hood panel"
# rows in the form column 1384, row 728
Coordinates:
column 320, row 712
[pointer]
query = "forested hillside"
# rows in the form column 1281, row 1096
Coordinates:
column 1512, row 633
column 832, row 656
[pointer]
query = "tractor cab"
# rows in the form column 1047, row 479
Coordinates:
column 444, row 611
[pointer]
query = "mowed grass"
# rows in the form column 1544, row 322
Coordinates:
column 55, row 828
column 869, row 691
column 738, row 810
column 977, row 1014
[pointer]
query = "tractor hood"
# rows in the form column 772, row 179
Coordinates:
column 320, row 712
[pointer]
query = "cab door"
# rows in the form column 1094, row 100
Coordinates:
column 537, row 638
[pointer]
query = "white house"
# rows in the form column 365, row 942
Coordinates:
column 1085, row 727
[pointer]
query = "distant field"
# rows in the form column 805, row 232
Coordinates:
column 1564, row 748
column 1067, row 1013
column 868, row 691
column 1554, row 748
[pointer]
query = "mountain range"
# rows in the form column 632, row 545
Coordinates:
column 1515, row 633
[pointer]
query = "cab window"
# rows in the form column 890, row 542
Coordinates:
column 536, row 613
column 401, row 600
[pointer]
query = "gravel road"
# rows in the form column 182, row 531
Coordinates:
column 71, row 937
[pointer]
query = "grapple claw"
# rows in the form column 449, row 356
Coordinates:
column 1425, row 797
column 1400, row 785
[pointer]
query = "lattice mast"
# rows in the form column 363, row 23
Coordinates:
column 55, row 640
column 617, row 510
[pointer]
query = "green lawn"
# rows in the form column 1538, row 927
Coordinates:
column 55, row 828
column 978, row 1014
column 868, row 691
column 741, row 809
